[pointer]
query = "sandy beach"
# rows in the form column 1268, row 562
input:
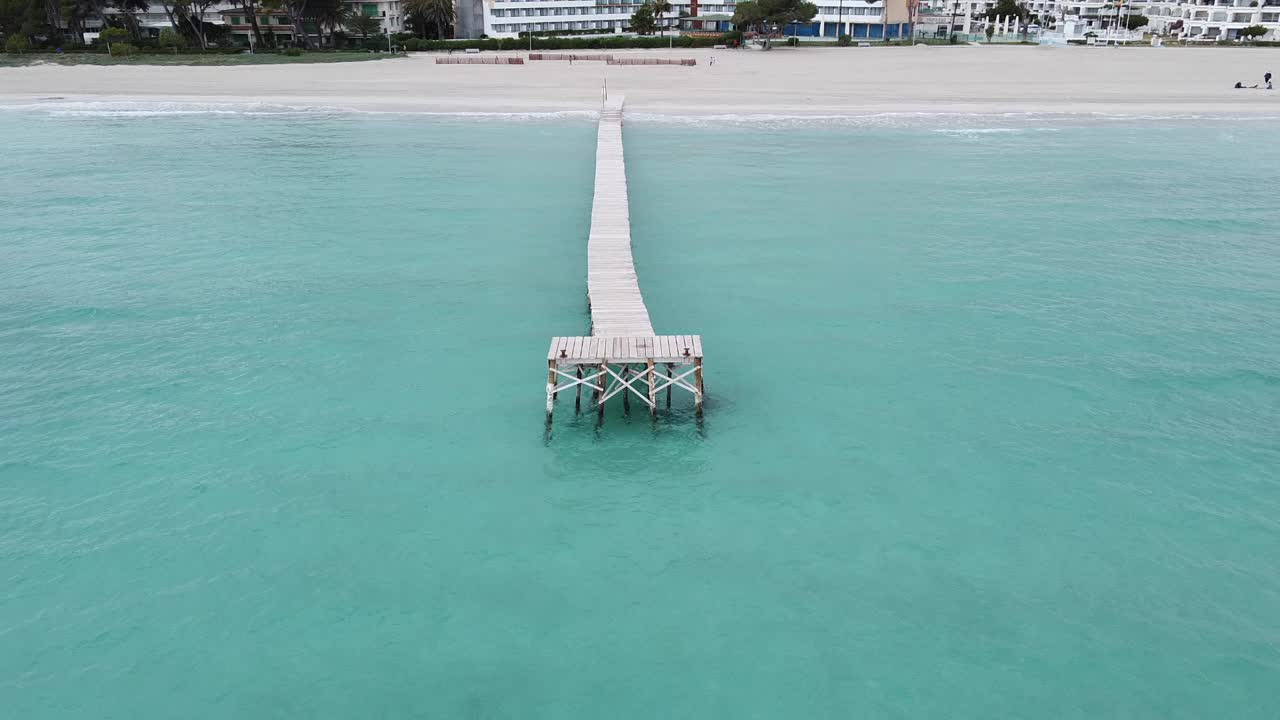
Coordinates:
column 807, row 81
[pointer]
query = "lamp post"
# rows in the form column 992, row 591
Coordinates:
column 951, row 28
column 839, row 21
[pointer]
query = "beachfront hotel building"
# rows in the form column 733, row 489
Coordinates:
column 1213, row 20
column 1196, row 20
column 508, row 18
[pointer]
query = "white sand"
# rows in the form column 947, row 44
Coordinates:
column 816, row 81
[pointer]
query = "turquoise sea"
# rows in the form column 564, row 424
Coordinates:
column 994, row 420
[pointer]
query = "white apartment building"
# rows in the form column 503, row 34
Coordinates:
column 1212, row 20
column 1188, row 19
column 509, row 18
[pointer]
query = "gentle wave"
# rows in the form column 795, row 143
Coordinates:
column 968, row 122
column 958, row 122
column 122, row 108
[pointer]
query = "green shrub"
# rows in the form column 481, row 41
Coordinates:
column 169, row 38
column 732, row 38
column 844, row 40
column 292, row 51
column 113, row 35
column 124, row 49
column 16, row 44
column 609, row 42
column 793, row 41
column 412, row 44
column 1253, row 32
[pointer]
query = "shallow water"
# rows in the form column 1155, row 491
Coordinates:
column 992, row 423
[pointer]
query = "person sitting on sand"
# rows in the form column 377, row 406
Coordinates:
column 1241, row 86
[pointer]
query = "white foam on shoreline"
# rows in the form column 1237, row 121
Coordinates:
column 130, row 108
column 953, row 122
column 947, row 122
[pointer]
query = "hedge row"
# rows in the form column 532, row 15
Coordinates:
column 145, row 49
column 571, row 43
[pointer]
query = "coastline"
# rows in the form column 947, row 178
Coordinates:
column 806, row 82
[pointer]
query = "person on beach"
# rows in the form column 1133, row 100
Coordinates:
column 1241, row 86
column 1266, row 78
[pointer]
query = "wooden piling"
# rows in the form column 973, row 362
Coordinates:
column 698, row 396
column 670, row 372
column 551, row 388
column 653, row 390
column 604, row 383
column 626, row 394
column 577, row 398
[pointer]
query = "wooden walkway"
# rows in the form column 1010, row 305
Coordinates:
column 617, row 307
column 623, row 353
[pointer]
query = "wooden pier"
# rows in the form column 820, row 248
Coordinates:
column 623, row 356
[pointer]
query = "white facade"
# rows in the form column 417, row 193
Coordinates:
column 508, row 18
column 1214, row 20
column 1188, row 19
column 387, row 11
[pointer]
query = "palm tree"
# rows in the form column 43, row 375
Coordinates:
column 363, row 24
column 434, row 12
column 660, row 8
column 331, row 14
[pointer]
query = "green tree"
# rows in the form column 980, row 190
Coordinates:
column 1252, row 32
column 748, row 15
column 74, row 14
column 770, row 15
column 128, row 10
column 113, row 35
column 250, row 9
column 187, row 18
column 365, row 25
column 30, row 18
column 1008, row 8
column 660, row 8
column 16, row 44
column 991, row 30
column 1133, row 22
column 642, row 20
column 437, row 13
column 297, row 12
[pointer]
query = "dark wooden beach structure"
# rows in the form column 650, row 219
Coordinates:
column 623, row 355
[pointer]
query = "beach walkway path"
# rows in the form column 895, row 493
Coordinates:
column 623, row 353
